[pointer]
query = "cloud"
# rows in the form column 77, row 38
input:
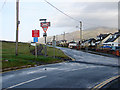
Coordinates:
column 92, row 14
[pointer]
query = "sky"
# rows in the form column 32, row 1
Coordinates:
column 92, row 13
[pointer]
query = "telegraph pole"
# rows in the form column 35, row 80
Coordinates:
column 80, row 32
column 64, row 36
column 56, row 37
column 17, row 25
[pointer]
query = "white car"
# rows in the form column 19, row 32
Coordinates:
column 71, row 45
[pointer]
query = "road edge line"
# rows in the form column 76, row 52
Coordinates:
column 69, row 56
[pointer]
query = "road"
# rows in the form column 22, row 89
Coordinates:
column 86, row 71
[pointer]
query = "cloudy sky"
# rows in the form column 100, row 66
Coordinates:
column 93, row 13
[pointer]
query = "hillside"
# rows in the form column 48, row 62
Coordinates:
column 89, row 33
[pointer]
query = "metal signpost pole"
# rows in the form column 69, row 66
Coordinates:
column 54, row 51
column 54, row 45
column 35, row 49
column 45, row 45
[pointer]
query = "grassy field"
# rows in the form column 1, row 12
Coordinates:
column 25, row 57
column 58, row 53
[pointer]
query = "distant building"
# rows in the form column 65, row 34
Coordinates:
column 49, row 43
column 57, row 43
column 89, row 42
column 113, row 40
column 102, row 38
column 63, row 43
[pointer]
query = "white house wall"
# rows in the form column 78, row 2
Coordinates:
column 117, row 40
column 106, row 38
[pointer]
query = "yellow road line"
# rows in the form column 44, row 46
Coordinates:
column 10, row 70
column 15, row 69
column 97, row 87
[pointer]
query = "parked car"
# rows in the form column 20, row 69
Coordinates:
column 72, row 44
column 116, row 48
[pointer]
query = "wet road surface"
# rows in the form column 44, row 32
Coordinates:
column 86, row 71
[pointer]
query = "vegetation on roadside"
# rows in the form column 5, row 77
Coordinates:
column 58, row 53
column 25, row 57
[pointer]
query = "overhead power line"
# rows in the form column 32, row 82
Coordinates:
column 3, row 5
column 68, row 15
column 61, row 11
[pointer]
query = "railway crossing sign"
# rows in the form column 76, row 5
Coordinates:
column 45, row 29
column 35, row 33
column 45, row 26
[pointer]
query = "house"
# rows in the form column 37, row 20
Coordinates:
column 89, row 42
column 113, row 40
column 63, row 43
column 83, row 43
column 57, row 43
column 102, row 38
column 49, row 43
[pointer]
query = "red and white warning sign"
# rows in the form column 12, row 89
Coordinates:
column 45, row 26
column 35, row 33
column 45, row 29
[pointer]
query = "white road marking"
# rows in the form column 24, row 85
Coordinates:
column 26, row 82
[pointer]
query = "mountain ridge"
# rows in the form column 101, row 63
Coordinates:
column 86, row 34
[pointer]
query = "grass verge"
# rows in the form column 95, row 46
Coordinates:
column 9, row 59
